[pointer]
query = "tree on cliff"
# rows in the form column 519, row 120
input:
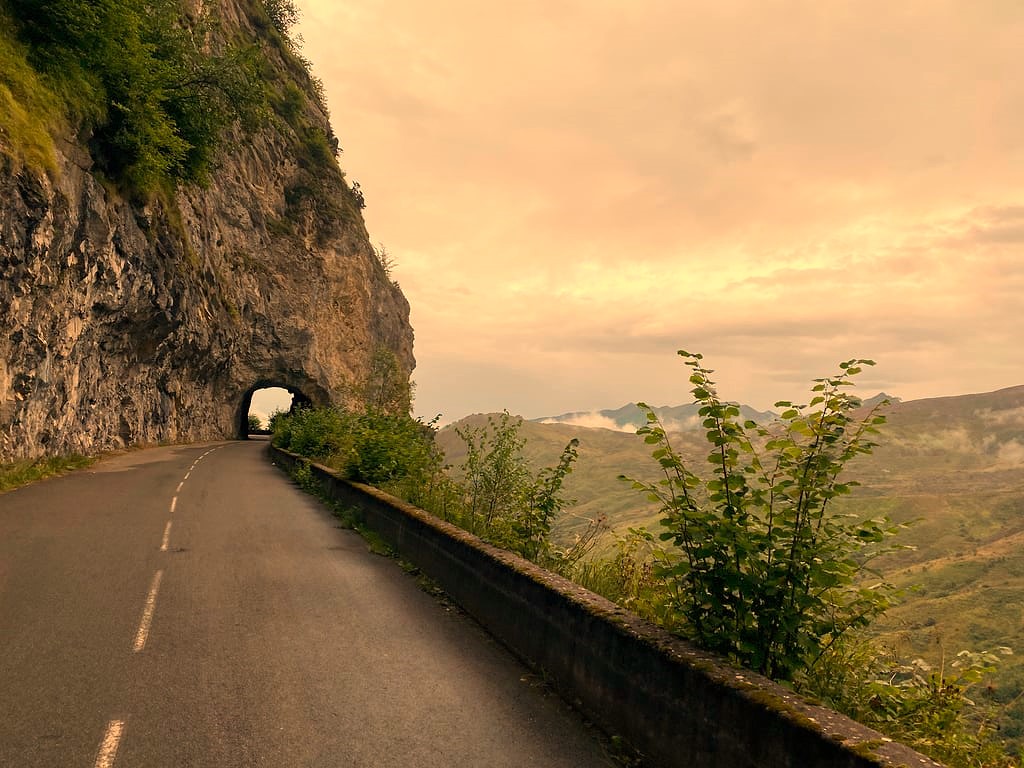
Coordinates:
column 386, row 387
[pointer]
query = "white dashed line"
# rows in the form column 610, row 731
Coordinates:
column 178, row 489
column 111, row 741
column 186, row 475
column 167, row 537
column 147, row 614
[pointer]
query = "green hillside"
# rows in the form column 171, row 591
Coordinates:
column 953, row 465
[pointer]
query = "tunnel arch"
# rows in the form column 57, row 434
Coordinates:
column 299, row 400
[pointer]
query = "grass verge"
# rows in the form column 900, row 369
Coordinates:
column 19, row 473
column 29, row 110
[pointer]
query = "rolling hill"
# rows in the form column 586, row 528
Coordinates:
column 952, row 466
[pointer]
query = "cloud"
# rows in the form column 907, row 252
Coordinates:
column 729, row 132
column 591, row 420
column 575, row 190
column 990, row 225
column 1006, row 416
column 1011, row 454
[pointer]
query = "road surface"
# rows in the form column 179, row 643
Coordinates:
column 188, row 606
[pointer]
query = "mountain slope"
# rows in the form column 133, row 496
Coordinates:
column 953, row 467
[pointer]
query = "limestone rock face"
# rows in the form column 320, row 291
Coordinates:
column 125, row 323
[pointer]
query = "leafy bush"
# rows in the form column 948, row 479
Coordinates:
column 494, row 475
column 289, row 104
column 760, row 568
column 370, row 446
column 503, row 501
column 929, row 709
column 498, row 498
column 317, row 433
column 315, row 149
column 390, row 449
column 283, row 15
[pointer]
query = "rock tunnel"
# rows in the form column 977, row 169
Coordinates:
column 299, row 400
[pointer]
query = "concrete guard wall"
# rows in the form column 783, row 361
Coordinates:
column 679, row 706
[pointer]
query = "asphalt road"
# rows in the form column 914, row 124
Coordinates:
column 188, row 606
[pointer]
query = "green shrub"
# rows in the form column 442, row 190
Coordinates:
column 289, row 104
column 503, row 500
column 390, row 448
column 499, row 497
column 935, row 710
column 317, row 433
column 315, row 152
column 370, row 446
column 760, row 569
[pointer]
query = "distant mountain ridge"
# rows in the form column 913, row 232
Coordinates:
column 629, row 417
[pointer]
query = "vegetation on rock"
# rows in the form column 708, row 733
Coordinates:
column 151, row 89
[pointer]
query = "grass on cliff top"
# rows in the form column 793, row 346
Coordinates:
column 21, row 473
column 28, row 109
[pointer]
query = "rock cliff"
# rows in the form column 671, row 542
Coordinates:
column 124, row 322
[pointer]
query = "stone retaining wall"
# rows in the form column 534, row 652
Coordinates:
column 681, row 707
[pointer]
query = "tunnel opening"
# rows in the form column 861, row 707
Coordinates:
column 261, row 402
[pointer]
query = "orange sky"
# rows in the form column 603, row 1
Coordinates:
column 573, row 190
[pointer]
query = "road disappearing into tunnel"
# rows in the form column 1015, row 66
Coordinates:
column 263, row 399
column 189, row 606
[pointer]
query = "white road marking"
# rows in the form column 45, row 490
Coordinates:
column 167, row 537
column 174, row 503
column 178, row 489
column 186, row 476
column 111, row 741
column 147, row 614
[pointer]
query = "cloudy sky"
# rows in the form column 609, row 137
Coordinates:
column 572, row 190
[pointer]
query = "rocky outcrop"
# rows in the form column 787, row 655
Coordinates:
column 125, row 323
